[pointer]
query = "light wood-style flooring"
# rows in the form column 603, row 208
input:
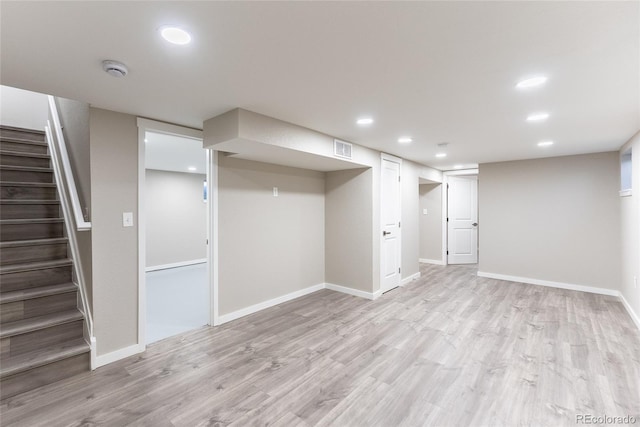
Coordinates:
column 449, row 349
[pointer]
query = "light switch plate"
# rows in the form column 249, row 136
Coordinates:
column 127, row 219
column 424, row 211
column 275, row 191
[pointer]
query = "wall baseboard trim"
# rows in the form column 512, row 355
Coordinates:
column 550, row 284
column 633, row 314
column 431, row 261
column 409, row 279
column 267, row 304
column 351, row 291
column 175, row 265
column 123, row 353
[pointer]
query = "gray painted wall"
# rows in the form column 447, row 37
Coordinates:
column 74, row 117
column 410, row 220
column 268, row 246
column 430, row 227
column 630, row 231
column 176, row 217
column 555, row 219
column 114, row 183
column 348, row 224
column 23, row 108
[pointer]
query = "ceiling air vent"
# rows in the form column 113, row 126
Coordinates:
column 342, row 149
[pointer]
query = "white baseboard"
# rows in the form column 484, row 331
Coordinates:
column 267, row 304
column 351, row 291
column 175, row 265
column 431, row 261
column 114, row 356
column 411, row 278
column 634, row 316
column 550, row 284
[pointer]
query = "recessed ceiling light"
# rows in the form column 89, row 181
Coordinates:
column 175, row 35
column 146, row 140
column 537, row 117
column 441, row 155
column 364, row 121
column 457, row 167
column 405, row 140
column 192, row 168
column 545, row 143
column 532, row 82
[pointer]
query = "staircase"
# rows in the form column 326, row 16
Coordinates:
column 41, row 329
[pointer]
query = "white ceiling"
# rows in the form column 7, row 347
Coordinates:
column 437, row 71
column 173, row 153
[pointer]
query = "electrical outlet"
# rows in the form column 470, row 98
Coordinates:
column 275, row 191
column 424, row 211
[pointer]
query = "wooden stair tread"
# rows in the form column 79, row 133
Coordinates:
column 28, row 202
column 4, row 222
column 23, row 141
column 23, row 154
column 27, row 184
column 31, row 324
column 39, row 265
column 24, row 130
column 26, row 168
column 33, row 242
column 41, row 357
column 42, row 291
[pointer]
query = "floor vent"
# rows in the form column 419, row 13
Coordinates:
column 342, row 149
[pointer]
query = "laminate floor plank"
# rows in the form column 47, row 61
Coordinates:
column 448, row 349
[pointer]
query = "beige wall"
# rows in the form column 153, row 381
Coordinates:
column 114, row 184
column 74, row 118
column 23, row 108
column 410, row 229
column 348, row 224
column 555, row 219
column 176, row 217
column 268, row 246
column 430, row 227
column 630, row 231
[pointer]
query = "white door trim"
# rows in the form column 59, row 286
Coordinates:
column 145, row 125
column 445, row 210
column 391, row 158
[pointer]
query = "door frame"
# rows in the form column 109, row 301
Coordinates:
column 147, row 125
column 389, row 157
column 445, row 206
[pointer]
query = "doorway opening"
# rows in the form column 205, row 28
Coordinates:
column 174, row 267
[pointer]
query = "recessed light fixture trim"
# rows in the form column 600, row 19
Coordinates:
column 441, row 155
column 532, row 82
column 537, row 117
column 405, row 139
column 364, row 121
column 545, row 143
column 457, row 166
column 175, row 35
column 192, row 168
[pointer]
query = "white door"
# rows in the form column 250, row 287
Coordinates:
column 462, row 217
column 390, row 213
